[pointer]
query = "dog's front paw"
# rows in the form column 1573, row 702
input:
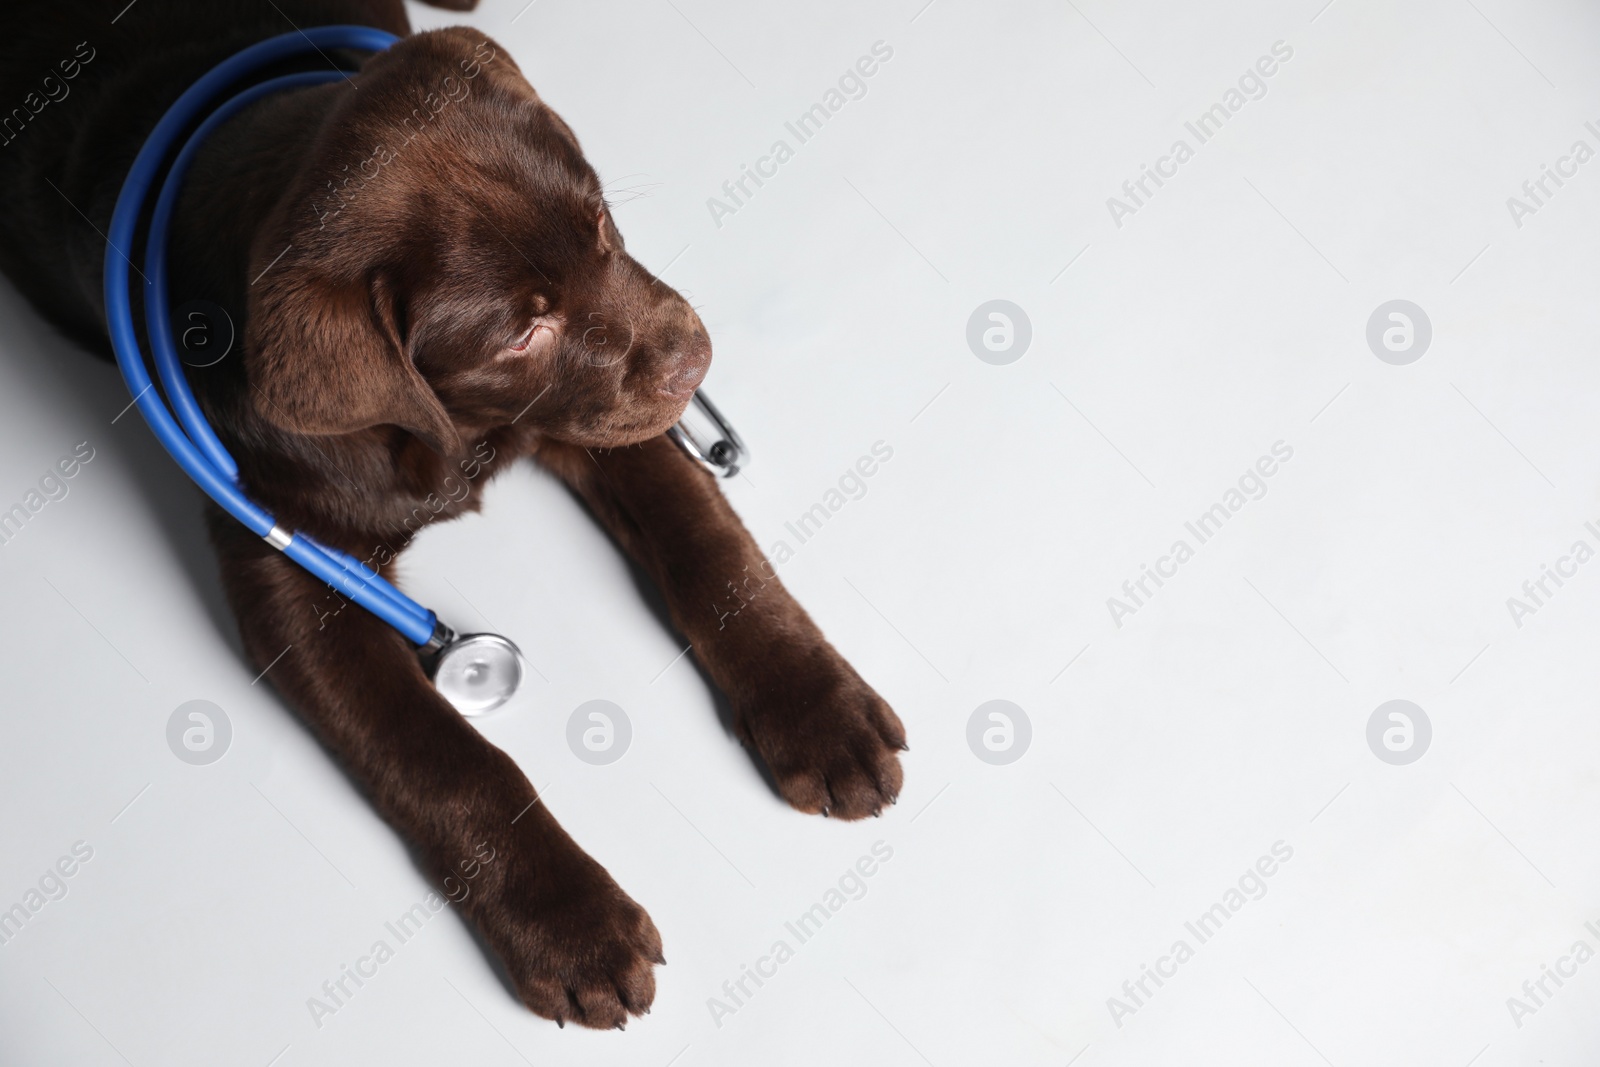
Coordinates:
column 575, row 945
column 831, row 742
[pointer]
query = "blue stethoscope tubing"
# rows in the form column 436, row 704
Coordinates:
column 192, row 443
column 475, row 672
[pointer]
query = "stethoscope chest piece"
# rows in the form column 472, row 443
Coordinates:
column 477, row 672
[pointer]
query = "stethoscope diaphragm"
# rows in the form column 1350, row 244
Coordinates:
column 477, row 673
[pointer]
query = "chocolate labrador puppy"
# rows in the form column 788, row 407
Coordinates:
column 429, row 285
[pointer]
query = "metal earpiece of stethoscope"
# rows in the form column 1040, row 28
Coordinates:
column 475, row 672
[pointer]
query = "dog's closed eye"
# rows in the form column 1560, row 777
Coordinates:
column 540, row 335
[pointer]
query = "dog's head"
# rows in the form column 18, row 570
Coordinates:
column 445, row 262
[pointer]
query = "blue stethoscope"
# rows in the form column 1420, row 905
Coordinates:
column 475, row 672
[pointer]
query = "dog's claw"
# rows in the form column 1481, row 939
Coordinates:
column 831, row 742
column 562, row 1023
column 661, row 958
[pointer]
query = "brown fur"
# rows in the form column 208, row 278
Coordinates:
column 378, row 363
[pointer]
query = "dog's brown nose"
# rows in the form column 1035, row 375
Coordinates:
column 690, row 369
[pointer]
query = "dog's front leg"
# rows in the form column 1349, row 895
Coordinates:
column 576, row 946
column 831, row 742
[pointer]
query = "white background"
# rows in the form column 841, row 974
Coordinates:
column 1227, row 714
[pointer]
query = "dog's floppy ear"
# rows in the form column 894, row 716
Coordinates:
column 329, row 358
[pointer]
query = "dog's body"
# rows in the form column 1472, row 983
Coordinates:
column 405, row 333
